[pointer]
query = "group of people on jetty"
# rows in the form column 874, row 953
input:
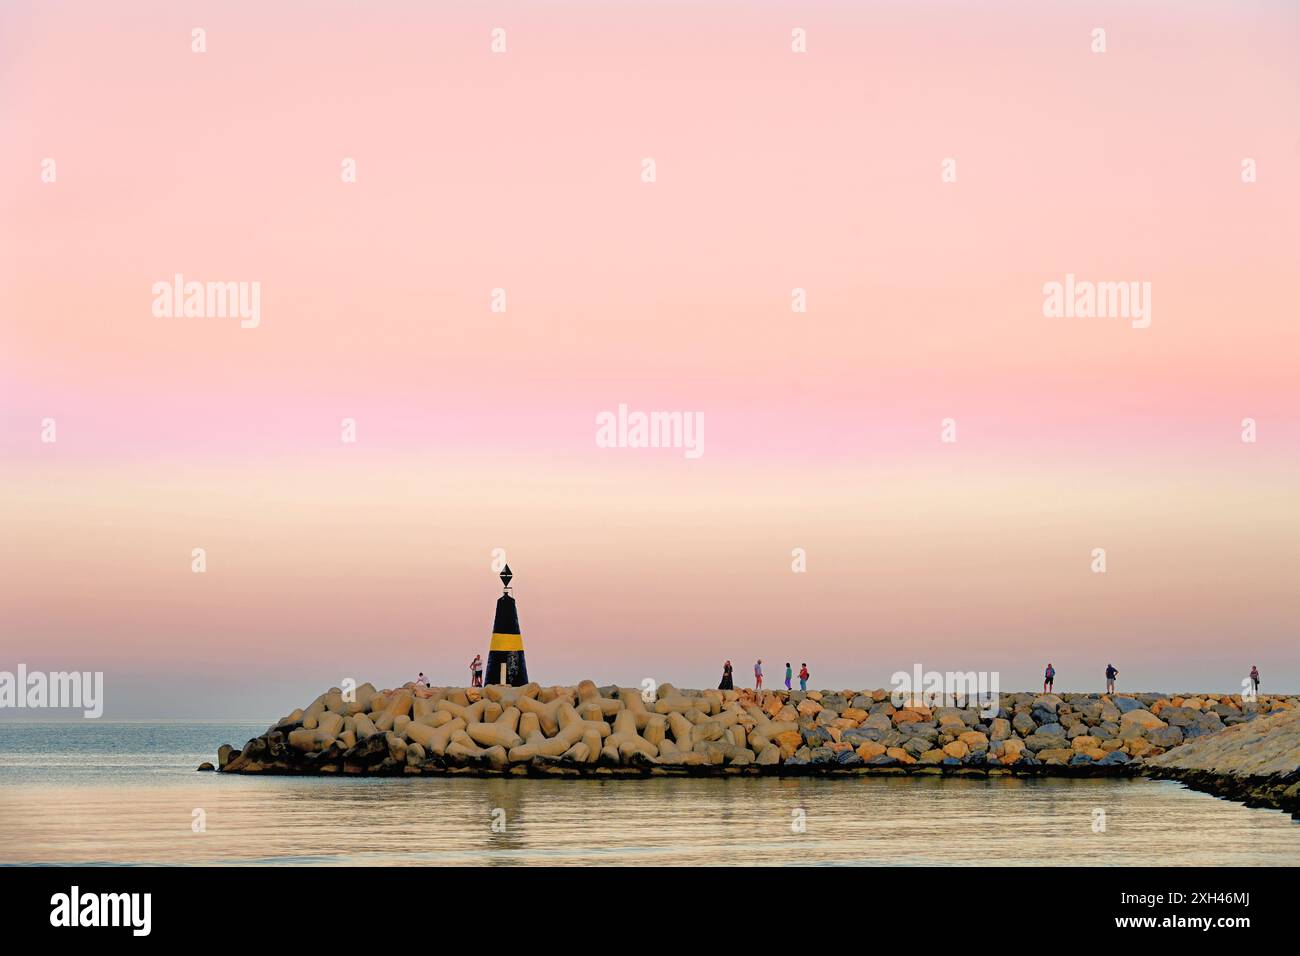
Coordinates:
column 727, row 684
column 1049, row 676
column 1112, row 672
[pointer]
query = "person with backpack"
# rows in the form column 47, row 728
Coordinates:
column 1049, row 675
column 1111, row 674
column 803, row 676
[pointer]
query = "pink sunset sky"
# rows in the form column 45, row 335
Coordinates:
column 475, row 429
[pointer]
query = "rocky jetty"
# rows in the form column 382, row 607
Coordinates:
column 616, row 731
column 1256, row 763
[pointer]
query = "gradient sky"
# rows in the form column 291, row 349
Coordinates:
column 476, row 430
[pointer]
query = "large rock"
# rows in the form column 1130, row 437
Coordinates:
column 949, row 715
column 397, row 705
column 924, row 731
column 368, row 752
column 1209, row 721
column 1090, row 710
column 1023, row 724
column 1165, row 737
column 821, row 755
column 809, row 708
column 396, row 747
column 917, row 746
column 880, row 722
column 1041, row 741
column 817, row 736
column 870, row 749
column 1140, row 747
column 859, row 735
column 1140, row 718
column 1056, row 756
column 1013, row 749
column 900, row 755
column 304, row 738
column 789, row 742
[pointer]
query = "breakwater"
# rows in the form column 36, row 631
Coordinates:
column 611, row 731
column 1256, row 763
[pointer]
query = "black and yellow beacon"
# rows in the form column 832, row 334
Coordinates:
column 505, row 663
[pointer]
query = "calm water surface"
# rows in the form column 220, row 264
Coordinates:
column 126, row 793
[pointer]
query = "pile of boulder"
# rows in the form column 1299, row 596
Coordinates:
column 585, row 729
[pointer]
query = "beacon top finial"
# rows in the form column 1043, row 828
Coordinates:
column 506, row 576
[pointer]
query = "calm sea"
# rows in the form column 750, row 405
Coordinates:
column 94, row 792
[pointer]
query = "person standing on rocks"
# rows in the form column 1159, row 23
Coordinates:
column 726, row 684
column 476, row 671
column 1049, row 675
column 803, row 676
column 1111, row 674
column 789, row 674
column 1254, row 678
column 758, row 674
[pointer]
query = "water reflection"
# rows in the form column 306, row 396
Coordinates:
column 661, row 821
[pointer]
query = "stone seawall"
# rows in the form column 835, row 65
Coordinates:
column 1257, row 763
column 613, row 732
